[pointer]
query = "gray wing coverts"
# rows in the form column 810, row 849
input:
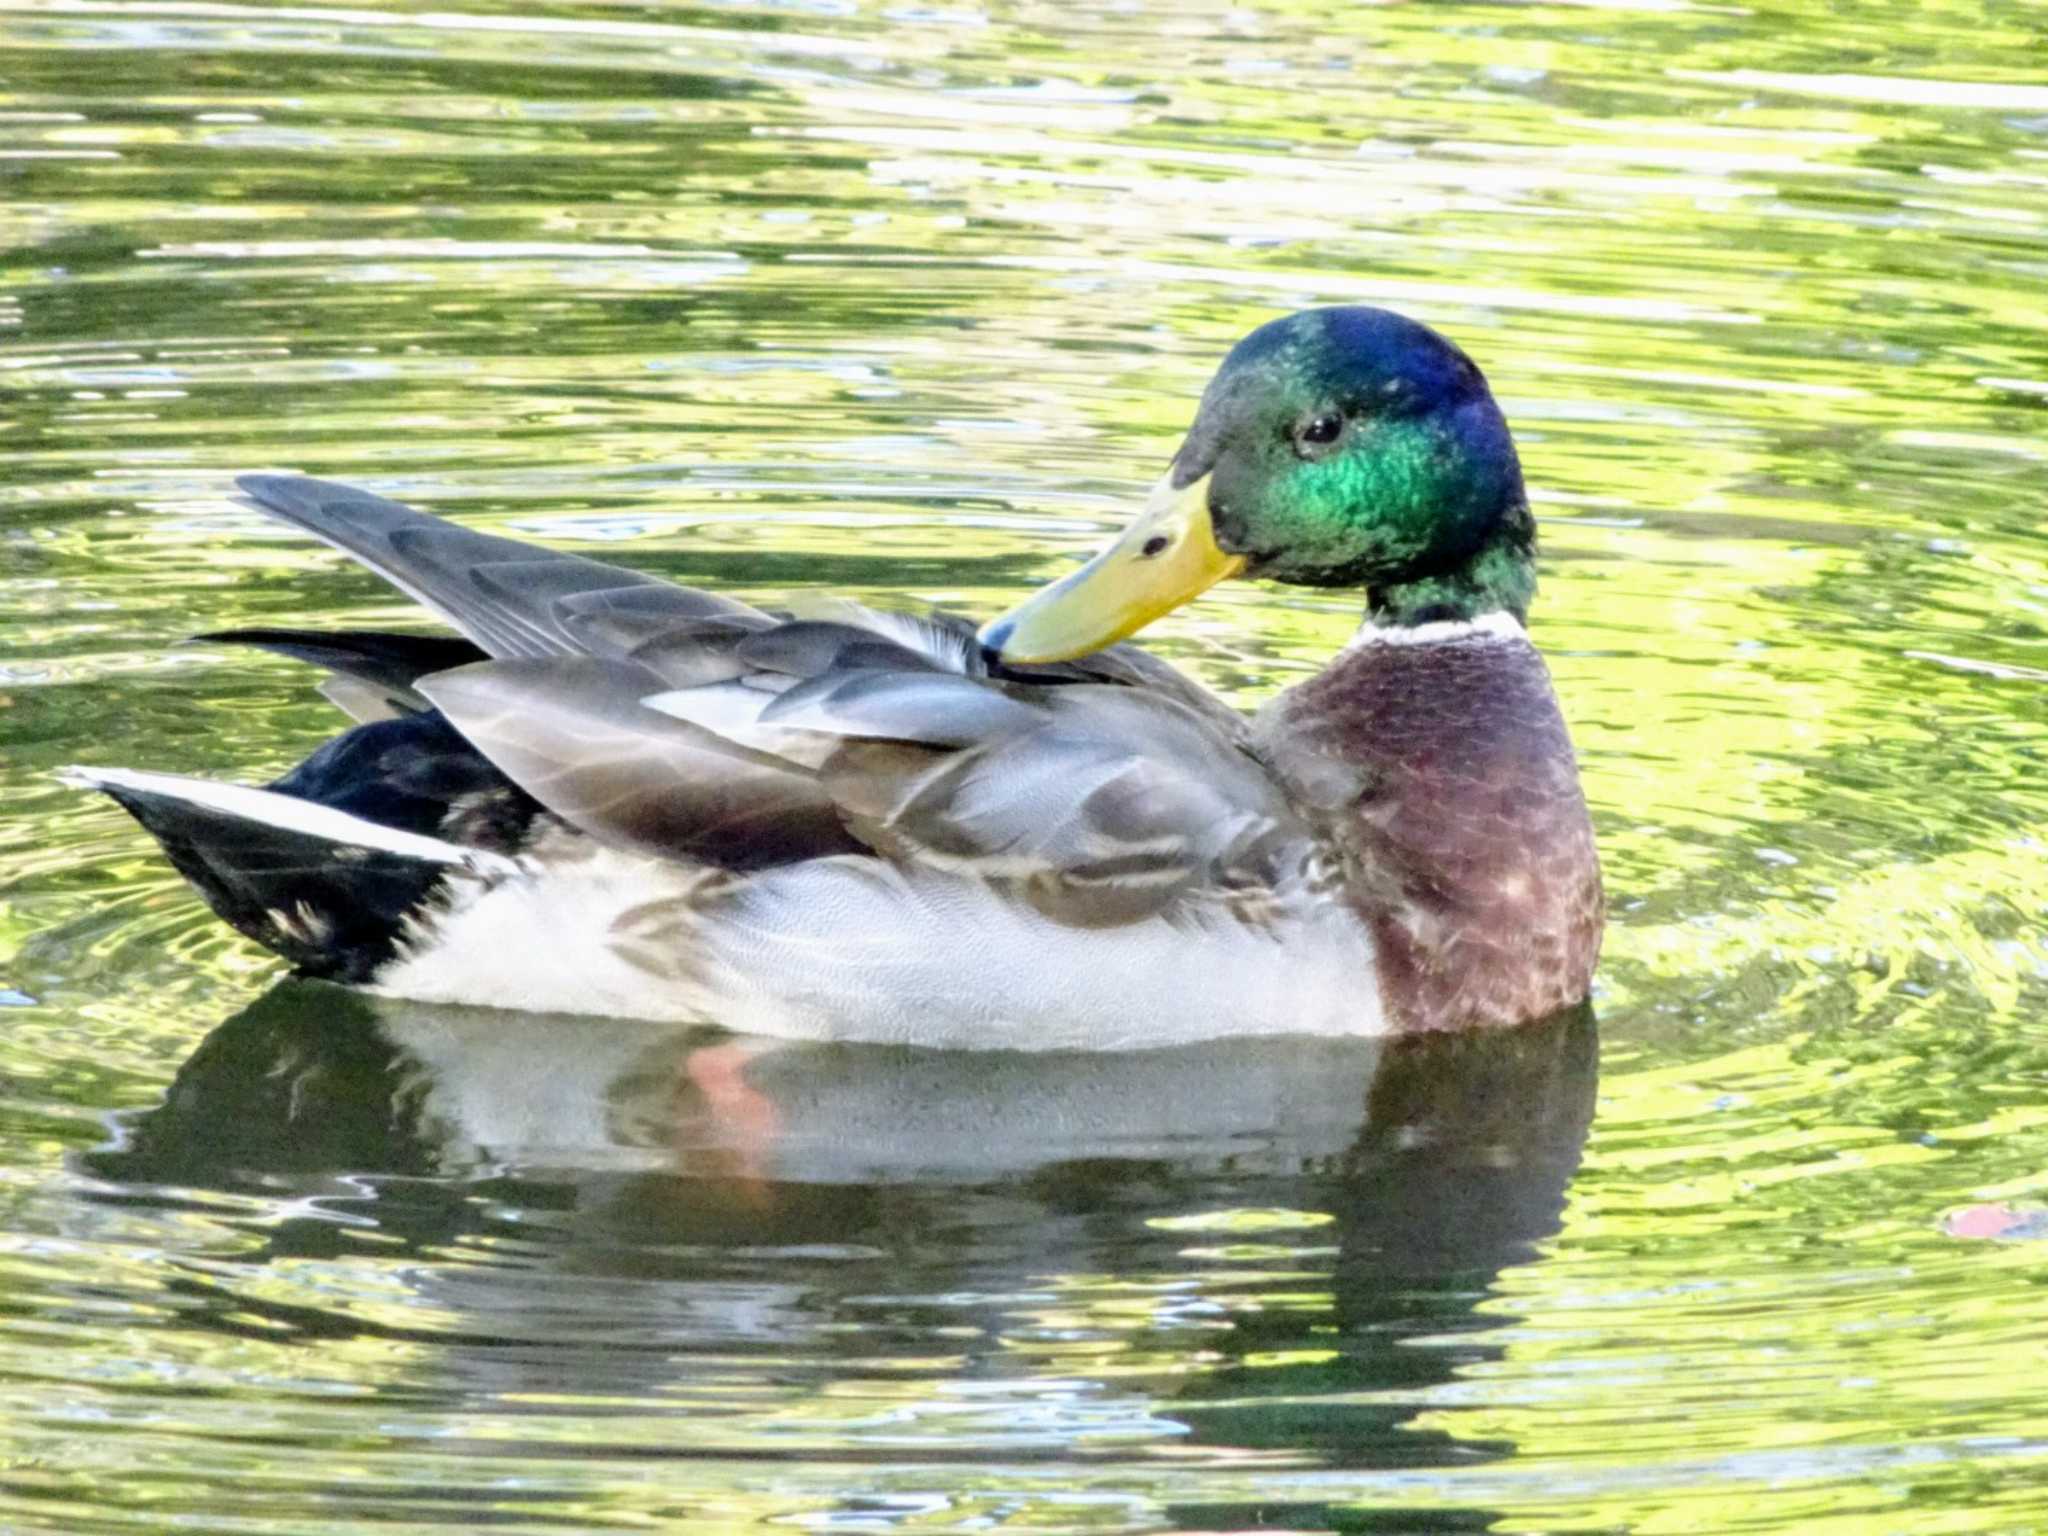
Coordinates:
column 1098, row 804
column 572, row 733
column 685, row 725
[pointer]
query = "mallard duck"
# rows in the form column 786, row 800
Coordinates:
column 614, row 795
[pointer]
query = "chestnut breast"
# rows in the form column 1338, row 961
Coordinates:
column 1439, row 773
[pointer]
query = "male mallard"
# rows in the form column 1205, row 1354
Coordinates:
column 620, row 796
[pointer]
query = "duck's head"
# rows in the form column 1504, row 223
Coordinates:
column 1343, row 447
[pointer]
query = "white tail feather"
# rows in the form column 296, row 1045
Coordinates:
column 286, row 812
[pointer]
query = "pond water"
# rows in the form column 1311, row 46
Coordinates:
column 913, row 301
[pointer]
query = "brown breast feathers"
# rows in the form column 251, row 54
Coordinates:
column 1443, row 782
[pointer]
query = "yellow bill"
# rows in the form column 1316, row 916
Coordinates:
column 1167, row 556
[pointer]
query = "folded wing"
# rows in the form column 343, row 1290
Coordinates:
column 685, row 725
column 1104, row 806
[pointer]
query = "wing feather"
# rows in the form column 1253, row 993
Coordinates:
column 931, row 708
column 505, row 595
column 573, row 734
column 1096, row 804
column 689, row 726
column 382, row 668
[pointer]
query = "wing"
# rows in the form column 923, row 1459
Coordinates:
column 572, row 733
column 686, row 725
column 1110, row 805
column 1096, row 803
column 510, row 598
column 516, row 599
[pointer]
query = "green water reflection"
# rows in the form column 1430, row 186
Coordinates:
column 913, row 300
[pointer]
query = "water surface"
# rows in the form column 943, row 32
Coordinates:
column 913, row 301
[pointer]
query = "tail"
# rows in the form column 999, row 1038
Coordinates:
column 329, row 891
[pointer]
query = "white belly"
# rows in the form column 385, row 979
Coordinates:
column 851, row 949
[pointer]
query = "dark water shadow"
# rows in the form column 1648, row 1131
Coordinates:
column 593, row 1205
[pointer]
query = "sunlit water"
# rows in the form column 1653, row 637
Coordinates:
column 914, row 300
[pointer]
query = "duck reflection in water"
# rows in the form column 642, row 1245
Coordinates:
column 1266, row 1220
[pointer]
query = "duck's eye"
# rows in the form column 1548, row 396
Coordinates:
column 1319, row 432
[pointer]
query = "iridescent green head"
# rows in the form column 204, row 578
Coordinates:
column 1338, row 447
column 1357, row 448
